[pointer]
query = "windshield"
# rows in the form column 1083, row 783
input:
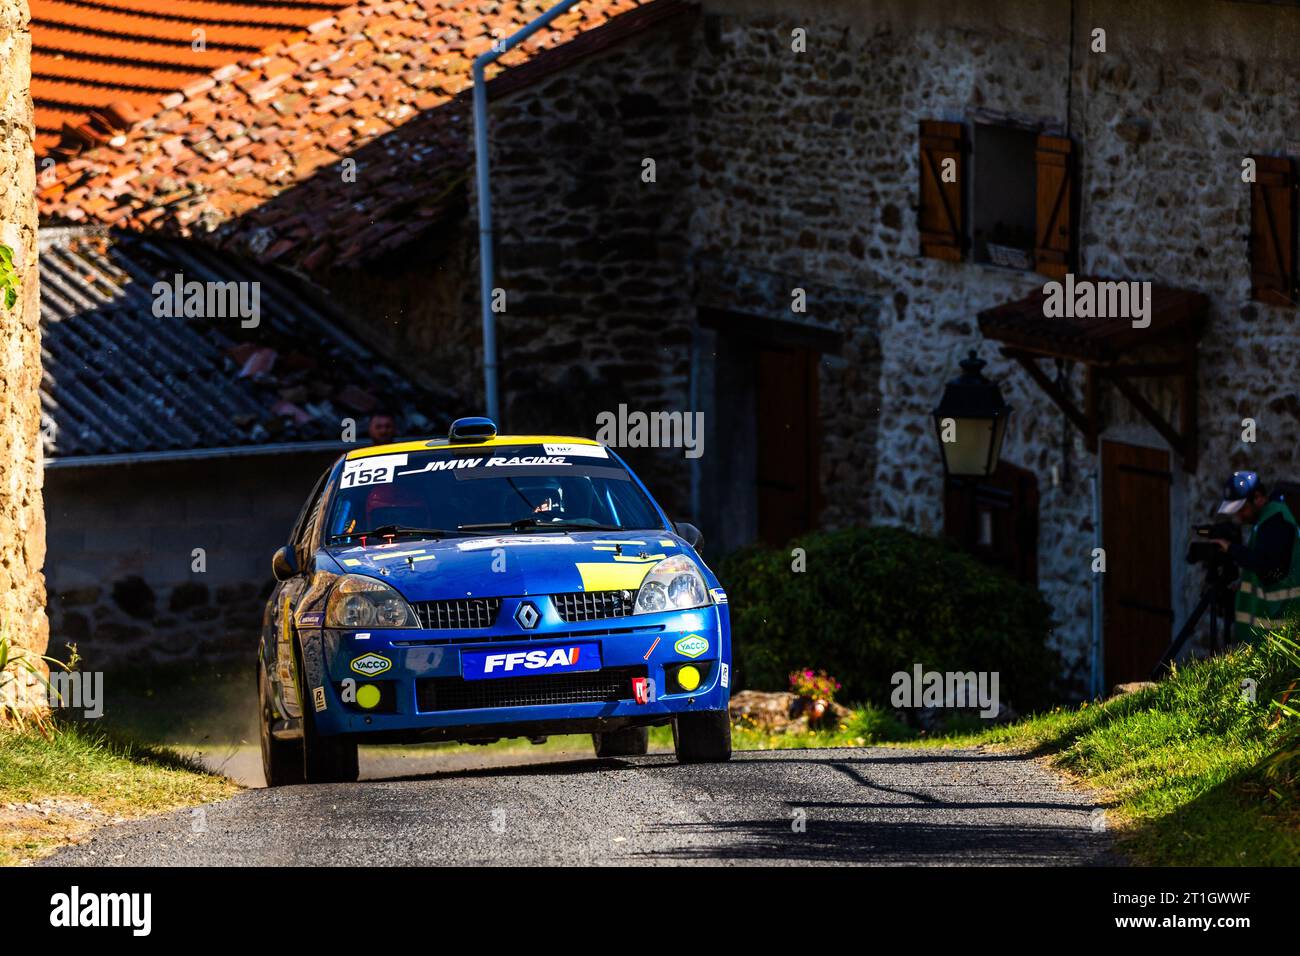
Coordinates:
column 471, row 491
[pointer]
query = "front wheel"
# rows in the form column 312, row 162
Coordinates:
column 632, row 742
column 703, row 737
column 281, row 759
column 324, row 759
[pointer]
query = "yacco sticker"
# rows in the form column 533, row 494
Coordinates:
column 368, row 665
column 378, row 470
column 692, row 645
column 576, row 451
column 318, row 698
column 726, row 675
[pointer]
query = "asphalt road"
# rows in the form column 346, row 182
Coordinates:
column 865, row 806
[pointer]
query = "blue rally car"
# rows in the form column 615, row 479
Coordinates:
column 477, row 587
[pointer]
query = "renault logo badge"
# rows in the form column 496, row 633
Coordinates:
column 527, row 615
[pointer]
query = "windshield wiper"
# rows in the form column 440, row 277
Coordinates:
column 526, row 524
column 401, row 530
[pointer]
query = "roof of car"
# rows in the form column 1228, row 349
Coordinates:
column 427, row 444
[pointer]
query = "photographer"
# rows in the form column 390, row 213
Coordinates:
column 1269, row 590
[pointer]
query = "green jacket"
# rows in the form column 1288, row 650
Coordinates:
column 1262, row 607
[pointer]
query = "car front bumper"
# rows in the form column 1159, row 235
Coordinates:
column 424, row 695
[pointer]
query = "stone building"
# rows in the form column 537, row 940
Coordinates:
column 22, row 519
column 846, row 198
column 1116, row 154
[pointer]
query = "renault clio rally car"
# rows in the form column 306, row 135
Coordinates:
column 477, row 587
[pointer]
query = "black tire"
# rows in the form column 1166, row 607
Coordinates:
column 324, row 759
column 281, row 759
column 703, row 737
column 632, row 742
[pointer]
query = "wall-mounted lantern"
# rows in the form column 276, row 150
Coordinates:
column 971, row 420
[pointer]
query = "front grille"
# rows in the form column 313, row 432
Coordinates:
column 593, row 605
column 453, row 693
column 459, row 613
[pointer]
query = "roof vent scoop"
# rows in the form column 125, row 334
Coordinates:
column 472, row 430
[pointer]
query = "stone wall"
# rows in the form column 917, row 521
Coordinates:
column 413, row 308
column 124, row 586
column 591, row 257
column 22, row 523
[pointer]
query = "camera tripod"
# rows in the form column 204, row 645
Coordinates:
column 1218, row 598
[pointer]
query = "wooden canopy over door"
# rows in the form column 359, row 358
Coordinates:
column 1104, row 347
column 1138, row 615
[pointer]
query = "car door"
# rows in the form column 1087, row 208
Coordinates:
column 284, row 599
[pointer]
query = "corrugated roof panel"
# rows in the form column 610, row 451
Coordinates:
column 119, row 378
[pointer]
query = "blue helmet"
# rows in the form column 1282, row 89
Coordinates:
column 1237, row 489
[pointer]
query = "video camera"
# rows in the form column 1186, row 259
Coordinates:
column 1203, row 550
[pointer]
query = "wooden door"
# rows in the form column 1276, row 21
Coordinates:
column 1138, row 614
column 787, row 474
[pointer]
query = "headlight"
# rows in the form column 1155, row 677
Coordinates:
column 674, row 584
column 359, row 601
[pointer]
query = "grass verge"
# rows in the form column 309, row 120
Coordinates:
column 1198, row 772
column 55, row 789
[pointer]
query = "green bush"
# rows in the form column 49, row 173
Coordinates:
column 874, row 601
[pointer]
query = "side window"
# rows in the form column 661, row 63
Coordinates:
column 307, row 518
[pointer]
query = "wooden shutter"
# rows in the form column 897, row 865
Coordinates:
column 1272, row 231
column 1054, row 247
column 942, row 224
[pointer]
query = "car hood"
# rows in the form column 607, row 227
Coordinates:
column 512, row 564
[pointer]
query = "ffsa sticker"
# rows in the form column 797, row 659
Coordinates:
column 378, row 470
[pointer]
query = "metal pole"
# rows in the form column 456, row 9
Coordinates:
column 1095, row 677
column 487, row 270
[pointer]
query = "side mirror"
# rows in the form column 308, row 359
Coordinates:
column 689, row 533
column 284, row 563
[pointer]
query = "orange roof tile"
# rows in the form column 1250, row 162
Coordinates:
column 252, row 153
column 88, row 54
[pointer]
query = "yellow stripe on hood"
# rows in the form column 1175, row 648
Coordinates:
column 606, row 576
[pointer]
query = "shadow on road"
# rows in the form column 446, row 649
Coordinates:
column 879, row 842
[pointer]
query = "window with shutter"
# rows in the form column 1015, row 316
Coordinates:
column 1002, row 198
column 1272, row 231
column 1054, row 243
column 942, row 224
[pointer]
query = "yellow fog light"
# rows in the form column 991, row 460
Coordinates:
column 367, row 696
column 688, row 677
